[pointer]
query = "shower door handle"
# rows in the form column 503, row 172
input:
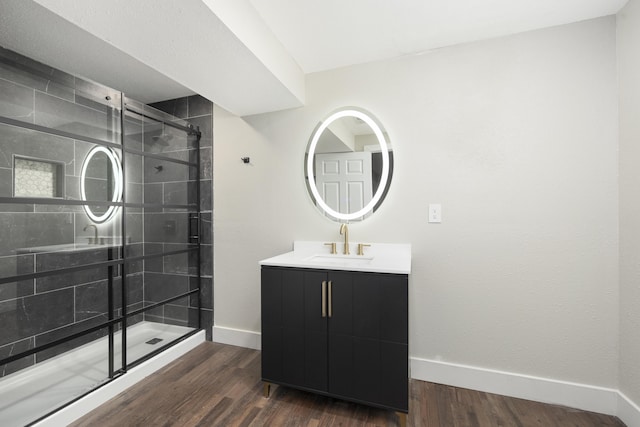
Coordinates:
column 194, row 227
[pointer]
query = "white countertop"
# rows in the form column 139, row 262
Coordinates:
column 378, row 258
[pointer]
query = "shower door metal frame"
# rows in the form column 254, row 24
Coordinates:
column 190, row 130
column 124, row 261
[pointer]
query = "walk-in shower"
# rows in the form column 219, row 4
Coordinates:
column 100, row 236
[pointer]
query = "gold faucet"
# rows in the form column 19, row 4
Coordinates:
column 361, row 247
column 95, row 239
column 332, row 245
column 345, row 230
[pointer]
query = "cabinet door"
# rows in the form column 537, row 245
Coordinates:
column 282, row 325
column 294, row 332
column 381, row 307
column 368, row 358
column 358, row 351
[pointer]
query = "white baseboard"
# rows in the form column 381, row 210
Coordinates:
column 81, row 407
column 628, row 411
column 237, row 337
column 579, row 396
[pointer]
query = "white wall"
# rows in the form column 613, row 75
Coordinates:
column 629, row 81
column 517, row 139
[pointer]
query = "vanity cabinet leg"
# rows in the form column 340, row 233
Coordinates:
column 402, row 419
column 266, row 389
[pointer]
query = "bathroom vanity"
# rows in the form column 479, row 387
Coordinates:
column 337, row 325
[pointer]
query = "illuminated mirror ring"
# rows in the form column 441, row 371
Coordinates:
column 117, row 191
column 385, row 164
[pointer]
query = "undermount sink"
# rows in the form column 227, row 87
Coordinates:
column 339, row 259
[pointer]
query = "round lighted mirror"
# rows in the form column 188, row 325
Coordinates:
column 348, row 165
column 101, row 180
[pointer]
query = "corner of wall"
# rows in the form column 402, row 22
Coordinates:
column 628, row 59
column 237, row 337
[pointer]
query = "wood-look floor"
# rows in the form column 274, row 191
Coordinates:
column 219, row 385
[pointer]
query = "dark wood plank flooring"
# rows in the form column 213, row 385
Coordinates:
column 219, row 385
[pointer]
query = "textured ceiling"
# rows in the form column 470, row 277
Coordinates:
column 327, row 34
column 250, row 56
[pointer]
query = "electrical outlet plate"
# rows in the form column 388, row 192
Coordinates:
column 435, row 213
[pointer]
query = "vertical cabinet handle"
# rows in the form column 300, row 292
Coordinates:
column 330, row 301
column 324, row 298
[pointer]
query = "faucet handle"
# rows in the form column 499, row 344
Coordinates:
column 333, row 248
column 361, row 247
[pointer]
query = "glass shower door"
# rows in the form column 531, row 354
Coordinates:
column 99, row 224
column 55, row 277
column 162, row 219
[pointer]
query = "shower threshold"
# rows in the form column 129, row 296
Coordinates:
column 35, row 391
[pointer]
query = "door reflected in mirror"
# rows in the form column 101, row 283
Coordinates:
column 348, row 165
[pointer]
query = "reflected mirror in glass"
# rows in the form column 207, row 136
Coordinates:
column 349, row 164
column 101, row 180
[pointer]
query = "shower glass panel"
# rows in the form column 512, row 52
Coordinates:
column 85, row 116
column 163, row 151
column 100, row 231
column 164, row 323
column 39, row 389
column 43, row 96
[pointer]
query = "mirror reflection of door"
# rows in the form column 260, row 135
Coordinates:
column 348, row 165
column 344, row 180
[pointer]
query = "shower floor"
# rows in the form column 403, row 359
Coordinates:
column 37, row 390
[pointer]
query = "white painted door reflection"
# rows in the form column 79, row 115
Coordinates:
column 344, row 180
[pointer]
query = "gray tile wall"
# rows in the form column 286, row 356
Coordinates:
column 37, row 311
column 199, row 112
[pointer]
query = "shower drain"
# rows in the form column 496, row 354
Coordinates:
column 154, row 341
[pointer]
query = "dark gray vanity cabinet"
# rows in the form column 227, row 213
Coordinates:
column 338, row 333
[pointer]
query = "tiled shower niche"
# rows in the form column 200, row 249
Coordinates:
column 66, row 279
column 37, row 178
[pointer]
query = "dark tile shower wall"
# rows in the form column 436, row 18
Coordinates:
column 169, row 187
column 38, row 311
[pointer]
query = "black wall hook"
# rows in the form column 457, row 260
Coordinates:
column 245, row 160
